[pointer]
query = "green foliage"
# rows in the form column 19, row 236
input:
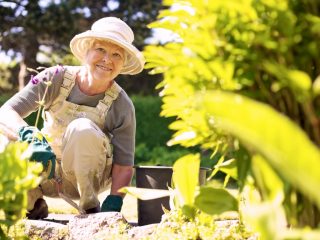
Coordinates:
column 185, row 179
column 175, row 225
column 267, row 217
column 151, row 128
column 152, row 135
column 161, row 155
column 17, row 176
column 31, row 119
column 4, row 97
column 208, row 199
column 215, row 201
column 16, row 232
column 265, row 53
column 253, row 124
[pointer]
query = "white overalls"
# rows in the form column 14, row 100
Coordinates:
column 83, row 151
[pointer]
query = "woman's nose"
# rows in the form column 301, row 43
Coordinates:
column 106, row 57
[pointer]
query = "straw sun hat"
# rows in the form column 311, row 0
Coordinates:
column 113, row 30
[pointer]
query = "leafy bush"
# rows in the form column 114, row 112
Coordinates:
column 176, row 226
column 242, row 79
column 17, row 176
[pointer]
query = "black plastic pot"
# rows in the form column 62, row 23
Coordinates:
column 156, row 177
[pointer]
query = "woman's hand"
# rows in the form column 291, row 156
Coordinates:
column 39, row 148
column 121, row 177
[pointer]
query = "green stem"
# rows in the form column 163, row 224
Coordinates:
column 38, row 116
column 314, row 121
column 265, row 91
column 41, row 104
column 39, row 110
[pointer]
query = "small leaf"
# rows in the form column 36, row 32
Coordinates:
column 229, row 167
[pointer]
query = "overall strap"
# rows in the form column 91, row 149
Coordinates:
column 68, row 82
column 110, row 95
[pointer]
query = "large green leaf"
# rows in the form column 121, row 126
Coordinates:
column 270, row 185
column 215, row 200
column 282, row 143
column 186, row 178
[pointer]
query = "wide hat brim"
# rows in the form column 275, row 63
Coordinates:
column 134, row 61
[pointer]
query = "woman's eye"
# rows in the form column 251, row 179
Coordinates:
column 117, row 55
column 100, row 50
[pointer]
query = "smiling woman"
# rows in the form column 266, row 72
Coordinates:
column 104, row 60
column 85, row 112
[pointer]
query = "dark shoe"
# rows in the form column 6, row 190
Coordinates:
column 93, row 210
column 39, row 211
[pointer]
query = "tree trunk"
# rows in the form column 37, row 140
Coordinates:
column 29, row 57
column 22, row 74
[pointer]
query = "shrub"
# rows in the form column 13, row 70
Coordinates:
column 17, row 176
column 242, row 79
column 152, row 130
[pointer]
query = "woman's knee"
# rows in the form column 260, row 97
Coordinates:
column 84, row 129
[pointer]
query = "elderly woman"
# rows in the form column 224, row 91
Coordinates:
column 89, row 121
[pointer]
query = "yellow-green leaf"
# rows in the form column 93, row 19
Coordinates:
column 215, row 200
column 186, row 178
column 280, row 141
column 145, row 193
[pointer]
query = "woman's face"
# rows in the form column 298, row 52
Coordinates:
column 105, row 60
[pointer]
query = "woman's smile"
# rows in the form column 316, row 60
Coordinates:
column 104, row 68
